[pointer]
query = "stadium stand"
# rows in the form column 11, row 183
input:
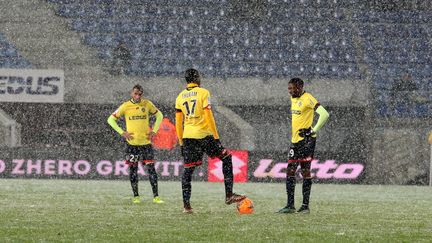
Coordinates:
column 247, row 50
column 311, row 42
column 397, row 43
column 9, row 55
column 10, row 58
column 313, row 39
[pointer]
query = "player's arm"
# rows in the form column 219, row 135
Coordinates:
column 112, row 121
column 159, row 117
column 179, row 125
column 209, row 118
column 208, row 115
column 323, row 117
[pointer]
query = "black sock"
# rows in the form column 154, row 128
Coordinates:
column 307, row 185
column 227, row 170
column 290, row 189
column 133, row 177
column 153, row 177
column 187, row 185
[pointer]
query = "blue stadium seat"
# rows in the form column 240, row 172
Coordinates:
column 399, row 40
column 422, row 110
column 9, row 55
column 311, row 38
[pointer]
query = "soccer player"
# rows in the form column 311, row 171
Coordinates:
column 303, row 106
column 197, row 134
column 137, row 112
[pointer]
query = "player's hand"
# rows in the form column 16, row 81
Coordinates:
column 127, row 135
column 306, row 132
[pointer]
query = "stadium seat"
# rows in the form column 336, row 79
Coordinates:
column 396, row 39
column 175, row 26
column 311, row 38
column 9, row 55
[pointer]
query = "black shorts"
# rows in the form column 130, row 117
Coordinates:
column 303, row 151
column 139, row 153
column 194, row 149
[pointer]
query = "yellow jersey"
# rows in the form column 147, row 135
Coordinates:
column 192, row 101
column 137, row 116
column 302, row 114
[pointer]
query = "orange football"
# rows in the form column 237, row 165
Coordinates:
column 245, row 206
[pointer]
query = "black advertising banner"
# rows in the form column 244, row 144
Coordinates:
column 67, row 163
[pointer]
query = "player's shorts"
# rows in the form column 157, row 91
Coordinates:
column 194, row 149
column 303, row 151
column 139, row 153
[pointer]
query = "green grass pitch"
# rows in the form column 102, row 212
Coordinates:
column 102, row 211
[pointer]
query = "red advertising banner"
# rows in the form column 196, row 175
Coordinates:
column 240, row 167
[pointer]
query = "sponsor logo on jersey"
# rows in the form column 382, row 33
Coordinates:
column 131, row 118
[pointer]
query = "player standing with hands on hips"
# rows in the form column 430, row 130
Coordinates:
column 303, row 106
column 197, row 134
column 137, row 112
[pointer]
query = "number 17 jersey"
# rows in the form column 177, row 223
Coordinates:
column 192, row 101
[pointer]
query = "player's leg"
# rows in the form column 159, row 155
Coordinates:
column 213, row 148
column 308, row 149
column 132, row 162
column 307, row 186
column 153, row 177
column 133, row 177
column 148, row 159
column 187, row 188
column 290, row 188
column 290, row 182
column 192, row 156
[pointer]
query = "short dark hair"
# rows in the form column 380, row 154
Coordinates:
column 138, row 87
column 192, row 75
column 297, row 81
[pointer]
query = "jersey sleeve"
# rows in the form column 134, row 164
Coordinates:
column 177, row 103
column 206, row 99
column 152, row 108
column 312, row 102
column 119, row 112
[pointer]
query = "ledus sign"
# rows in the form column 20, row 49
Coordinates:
column 31, row 85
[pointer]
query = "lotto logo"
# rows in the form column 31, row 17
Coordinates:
column 240, row 167
column 322, row 170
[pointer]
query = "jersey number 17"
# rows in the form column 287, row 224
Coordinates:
column 189, row 110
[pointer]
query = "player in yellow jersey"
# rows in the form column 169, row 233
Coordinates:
column 303, row 106
column 136, row 113
column 197, row 134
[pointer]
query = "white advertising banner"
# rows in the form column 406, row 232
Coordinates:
column 31, row 85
